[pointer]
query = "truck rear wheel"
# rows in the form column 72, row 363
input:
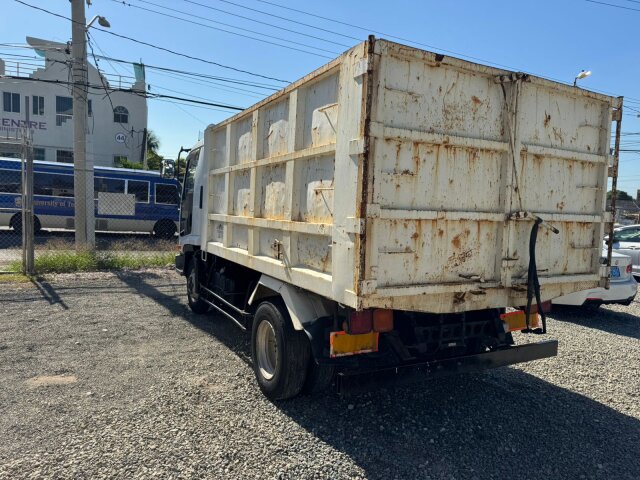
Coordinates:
column 280, row 354
column 196, row 303
column 319, row 378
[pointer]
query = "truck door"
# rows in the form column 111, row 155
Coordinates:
column 187, row 198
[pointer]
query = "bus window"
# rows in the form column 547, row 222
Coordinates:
column 10, row 181
column 140, row 189
column 53, row 184
column 109, row 185
column 167, row 194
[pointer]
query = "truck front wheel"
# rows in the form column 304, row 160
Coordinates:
column 196, row 303
column 280, row 353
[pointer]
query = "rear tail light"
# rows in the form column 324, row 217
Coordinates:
column 360, row 322
column 629, row 268
column 365, row 321
column 382, row 320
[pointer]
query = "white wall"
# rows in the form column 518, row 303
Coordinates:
column 102, row 130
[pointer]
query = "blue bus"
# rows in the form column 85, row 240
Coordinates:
column 125, row 200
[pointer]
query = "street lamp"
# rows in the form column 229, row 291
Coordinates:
column 580, row 76
column 103, row 22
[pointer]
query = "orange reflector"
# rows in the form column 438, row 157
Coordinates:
column 515, row 321
column 382, row 320
column 344, row 344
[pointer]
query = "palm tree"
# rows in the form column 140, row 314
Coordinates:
column 153, row 159
column 153, row 142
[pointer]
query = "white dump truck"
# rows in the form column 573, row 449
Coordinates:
column 397, row 214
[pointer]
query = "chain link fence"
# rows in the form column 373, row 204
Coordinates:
column 135, row 211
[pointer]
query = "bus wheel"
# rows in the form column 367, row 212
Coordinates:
column 164, row 229
column 280, row 353
column 16, row 224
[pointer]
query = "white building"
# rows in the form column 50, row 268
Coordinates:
column 117, row 122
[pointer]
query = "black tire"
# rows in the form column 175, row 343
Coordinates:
column 164, row 229
column 196, row 303
column 319, row 378
column 280, row 353
column 16, row 224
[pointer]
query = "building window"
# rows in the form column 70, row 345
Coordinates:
column 90, row 108
column 38, row 105
column 64, row 109
column 167, row 194
column 64, row 156
column 38, row 153
column 120, row 115
column 11, row 102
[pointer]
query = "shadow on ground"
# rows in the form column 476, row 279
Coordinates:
column 502, row 424
column 603, row 318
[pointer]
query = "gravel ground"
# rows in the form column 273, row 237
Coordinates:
column 111, row 376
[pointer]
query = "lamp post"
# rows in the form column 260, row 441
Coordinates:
column 580, row 76
column 84, row 221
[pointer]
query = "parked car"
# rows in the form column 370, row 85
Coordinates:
column 626, row 240
column 622, row 290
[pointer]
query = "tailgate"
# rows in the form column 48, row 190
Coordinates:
column 463, row 157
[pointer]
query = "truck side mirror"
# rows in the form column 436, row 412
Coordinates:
column 168, row 169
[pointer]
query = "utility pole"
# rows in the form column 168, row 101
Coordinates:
column 82, row 167
column 27, row 196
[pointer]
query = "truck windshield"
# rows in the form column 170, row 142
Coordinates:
column 186, row 205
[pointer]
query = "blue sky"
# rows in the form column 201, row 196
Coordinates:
column 555, row 39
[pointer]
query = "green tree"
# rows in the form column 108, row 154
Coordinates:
column 154, row 159
column 125, row 163
column 620, row 195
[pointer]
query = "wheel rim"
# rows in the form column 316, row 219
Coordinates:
column 266, row 350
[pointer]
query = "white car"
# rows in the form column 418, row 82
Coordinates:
column 626, row 240
column 622, row 291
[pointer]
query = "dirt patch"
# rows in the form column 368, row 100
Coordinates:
column 49, row 380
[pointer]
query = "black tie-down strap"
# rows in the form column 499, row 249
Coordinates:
column 533, row 285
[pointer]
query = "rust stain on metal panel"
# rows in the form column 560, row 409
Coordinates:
column 458, row 259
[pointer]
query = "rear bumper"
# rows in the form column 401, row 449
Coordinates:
column 618, row 293
column 356, row 381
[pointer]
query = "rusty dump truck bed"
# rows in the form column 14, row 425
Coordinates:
column 395, row 177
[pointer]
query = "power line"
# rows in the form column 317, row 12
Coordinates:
column 291, row 20
column 212, row 85
column 266, row 23
column 112, row 89
column 141, row 42
column 609, row 5
column 193, row 22
column 109, row 59
column 200, row 75
column 371, row 30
